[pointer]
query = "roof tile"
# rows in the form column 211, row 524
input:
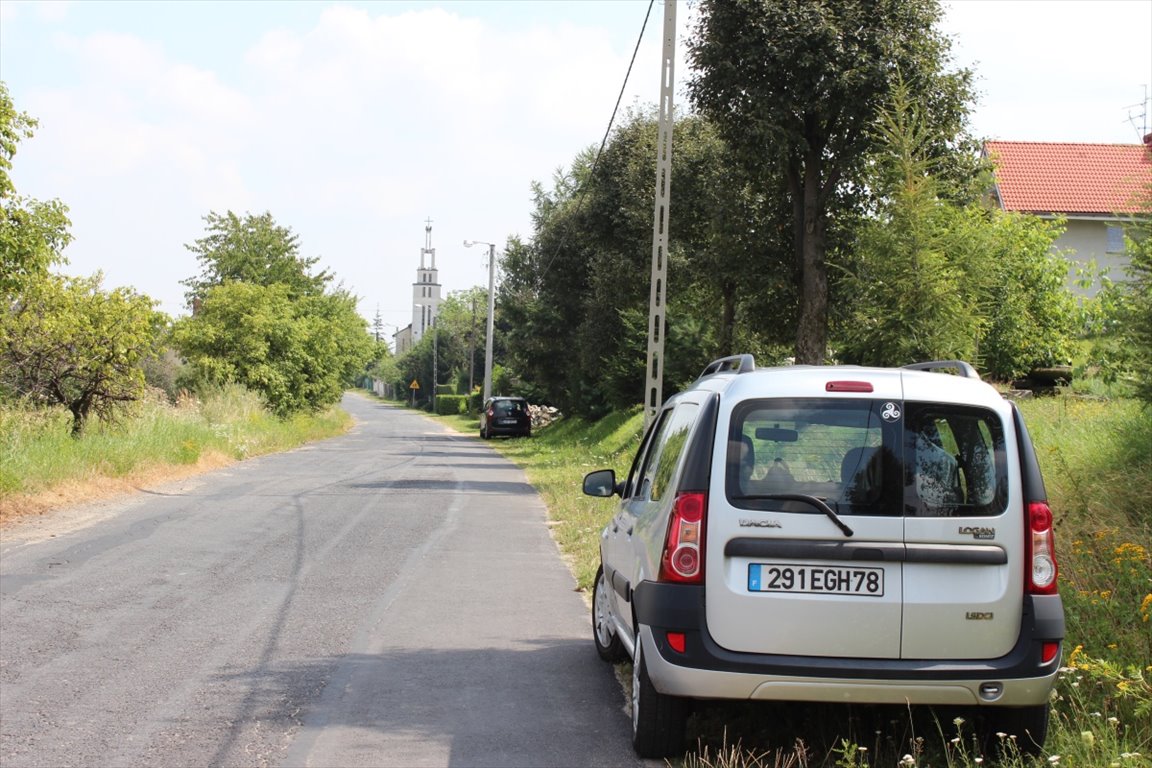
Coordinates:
column 1039, row 177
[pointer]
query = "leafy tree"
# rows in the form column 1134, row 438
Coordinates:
column 32, row 233
column 931, row 278
column 459, row 339
column 298, row 353
column 794, row 86
column 1138, row 293
column 67, row 341
column 252, row 249
column 575, row 299
column 263, row 319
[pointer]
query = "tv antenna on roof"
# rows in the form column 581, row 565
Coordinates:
column 1142, row 116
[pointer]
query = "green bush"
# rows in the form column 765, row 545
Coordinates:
column 447, row 405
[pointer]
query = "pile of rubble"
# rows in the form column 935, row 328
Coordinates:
column 543, row 415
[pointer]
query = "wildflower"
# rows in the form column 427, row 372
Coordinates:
column 1146, row 607
column 958, row 722
column 1114, row 720
column 1054, row 759
column 1000, row 734
column 908, row 761
column 1088, row 738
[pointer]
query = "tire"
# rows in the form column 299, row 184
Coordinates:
column 608, row 644
column 658, row 720
column 1028, row 724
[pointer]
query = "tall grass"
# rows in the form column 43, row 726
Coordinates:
column 37, row 453
column 1096, row 455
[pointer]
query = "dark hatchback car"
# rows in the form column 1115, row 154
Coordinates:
column 505, row 416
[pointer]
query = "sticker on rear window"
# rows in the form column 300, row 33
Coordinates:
column 891, row 412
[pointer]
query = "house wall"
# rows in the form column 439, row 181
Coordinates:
column 1085, row 240
column 402, row 341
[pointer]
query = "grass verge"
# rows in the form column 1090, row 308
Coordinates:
column 42, row 466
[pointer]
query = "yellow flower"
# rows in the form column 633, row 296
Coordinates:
column 1146, row 607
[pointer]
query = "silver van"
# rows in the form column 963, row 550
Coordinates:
column 832, row 534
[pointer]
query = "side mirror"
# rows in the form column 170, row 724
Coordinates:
column 601, row 483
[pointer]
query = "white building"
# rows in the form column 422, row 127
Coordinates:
column 426, row 298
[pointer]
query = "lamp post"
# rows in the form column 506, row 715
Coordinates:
column 491, row 313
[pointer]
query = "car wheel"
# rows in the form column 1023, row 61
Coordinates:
column 1026, row 727
column 658, row 720
column 608, row 644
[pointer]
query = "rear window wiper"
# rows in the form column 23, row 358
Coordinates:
column 815, row 501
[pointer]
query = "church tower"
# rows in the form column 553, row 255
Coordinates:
column 426, row 289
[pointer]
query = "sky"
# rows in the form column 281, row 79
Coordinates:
column 354, row 123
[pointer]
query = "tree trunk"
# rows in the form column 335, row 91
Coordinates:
column 727, row 319
column 812, row 328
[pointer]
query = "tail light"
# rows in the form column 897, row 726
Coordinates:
column 1040, row 576
column 683, row 558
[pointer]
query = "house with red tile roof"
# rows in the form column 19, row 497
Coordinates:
column 1092, row 186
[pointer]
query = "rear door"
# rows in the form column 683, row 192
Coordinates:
column 783, row 577
column 963, row 575
column 648, row 495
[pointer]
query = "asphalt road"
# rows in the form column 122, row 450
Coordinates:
column 387, row 598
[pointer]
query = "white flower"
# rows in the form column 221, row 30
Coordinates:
column 1055, row 759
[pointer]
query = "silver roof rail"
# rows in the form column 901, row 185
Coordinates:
column 959, row 366
column 736, row 363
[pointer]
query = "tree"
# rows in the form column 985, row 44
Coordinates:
column 933, row 279
column 252, row 249
column 67, row 341
column 794, row 87
column 1137, row 293
column 33, row 234
column 297, row 353
column 575, row 299
column 263, row 319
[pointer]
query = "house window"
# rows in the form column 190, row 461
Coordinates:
column 1115, row 240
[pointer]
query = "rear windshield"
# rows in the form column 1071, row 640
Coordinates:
column 867, row 457
column 509, row 407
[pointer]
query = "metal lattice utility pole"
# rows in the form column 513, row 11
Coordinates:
column 653, row 388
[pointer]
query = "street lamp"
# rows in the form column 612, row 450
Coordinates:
column 491, row 312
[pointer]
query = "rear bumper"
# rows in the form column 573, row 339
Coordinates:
column 705, row 670
column 513, row 430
